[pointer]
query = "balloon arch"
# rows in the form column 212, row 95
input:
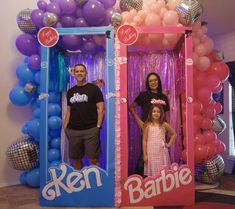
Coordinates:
column 209, row 70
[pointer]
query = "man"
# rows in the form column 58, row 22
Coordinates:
column 83, row 119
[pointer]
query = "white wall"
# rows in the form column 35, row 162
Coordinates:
column 226, row 44
column 12, row 117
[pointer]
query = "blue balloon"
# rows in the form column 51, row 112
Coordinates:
column 36, row 112
column 37, row 77
column 34, row 129
column 19, row 96
column 54, row 97
column 55, row 133
column 53, row 154
column 35, row 103
column 55, row 143
column 22, row 178
column 54, row 122
column 25, row 127
column 54, row 109
column 55, row 163
column 24, row 74
column 33, row 178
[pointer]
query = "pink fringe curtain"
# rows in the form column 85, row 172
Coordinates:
column 170, row 66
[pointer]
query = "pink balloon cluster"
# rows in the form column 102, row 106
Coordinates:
column 158, row 13
column 209, row 74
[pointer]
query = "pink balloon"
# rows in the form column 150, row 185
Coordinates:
column 210, row 136
column 197, row 119
column 200, row 153
column 127, row 17
column 213, row 81
column 218, row 107
column 171, row 4
column 162, row 12
column 155, row 7
column 142, row 13
column 221, row 148
column 211, row 150
column 152, row 19
column 206, row 123
column 197, row 107
column 210, row 112
column 200, row 49
column 195, row 58
column 171, row 18
column 220, row 69
column 138, row 20
column 218, row 88
column 203, row 63
column 204, row 95
column 199, row 139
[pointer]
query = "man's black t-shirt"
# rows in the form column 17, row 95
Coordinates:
column 82, row 100
column 144, row 99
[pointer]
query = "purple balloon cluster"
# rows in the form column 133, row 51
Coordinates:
column 73, row 13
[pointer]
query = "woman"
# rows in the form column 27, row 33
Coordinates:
column 153, row 91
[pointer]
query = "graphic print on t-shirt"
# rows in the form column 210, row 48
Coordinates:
column 78, row 98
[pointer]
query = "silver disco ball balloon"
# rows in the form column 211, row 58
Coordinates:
column 127, row 5
column 116, row 19
column 210, row 171
column 23, row 154
column 189, row 11
column 218, row 125
column 24, row 22
column 49, row 19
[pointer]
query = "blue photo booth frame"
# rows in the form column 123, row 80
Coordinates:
column 92, row 186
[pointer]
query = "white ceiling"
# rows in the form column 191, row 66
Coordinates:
column 220, row 16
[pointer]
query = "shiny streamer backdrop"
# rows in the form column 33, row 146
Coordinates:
column 170, row 66
column 96, row 67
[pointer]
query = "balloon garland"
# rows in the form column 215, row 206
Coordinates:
column 209, row 69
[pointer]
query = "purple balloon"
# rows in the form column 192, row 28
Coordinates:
column 68, row 6
column 67, row 21
column 71, row 42
column 42, row 5
column 78, row 12
column 109, row 13
column 37, row 17
column 27, row 44
column 54, row 8
column 89, row 46
column 94, row 12
column 108, row 3
column 80, row 22
column 34, row 62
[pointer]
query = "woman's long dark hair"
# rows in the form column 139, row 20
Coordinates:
column 159, row 88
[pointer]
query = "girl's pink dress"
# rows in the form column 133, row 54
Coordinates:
column 158, row 155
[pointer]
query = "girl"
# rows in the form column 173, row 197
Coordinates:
column 155, row 152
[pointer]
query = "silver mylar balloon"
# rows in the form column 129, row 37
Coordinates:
column 218, row 125
column 189, row 11
column 218, row 55
column 23, row 154
column 49, row 19
column 81, row 2
column 210, row 171
column 127, row 5
column 24, row 22
column 116, row 19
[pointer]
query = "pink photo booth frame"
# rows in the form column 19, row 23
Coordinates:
column 170, row 187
